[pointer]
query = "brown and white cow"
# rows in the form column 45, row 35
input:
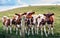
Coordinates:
column 17, row 21
column 50, row 22
column 6, row 23
column 39, row 21
column 29, row 21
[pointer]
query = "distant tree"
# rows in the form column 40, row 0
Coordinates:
column 29, row 5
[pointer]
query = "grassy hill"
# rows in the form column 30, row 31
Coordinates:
column 38, row 10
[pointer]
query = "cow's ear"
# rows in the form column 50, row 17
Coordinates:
column 52, row 13
column 15, row 13
column 24, row 13
column 44, row 14
column 33, row 12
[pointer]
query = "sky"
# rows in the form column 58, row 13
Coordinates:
column 15, row 3
column 20, row 2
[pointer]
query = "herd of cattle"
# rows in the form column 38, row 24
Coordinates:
column 33, row 23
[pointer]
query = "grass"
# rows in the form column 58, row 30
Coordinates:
column 38, row 10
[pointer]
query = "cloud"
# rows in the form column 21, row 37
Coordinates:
column 12, row 2
column 2, row 1
column 7, row 2
column 28, row 2
column 40, row 1
column 18, row 1
column 21, row 2
column 49, row 1
column 57, row 2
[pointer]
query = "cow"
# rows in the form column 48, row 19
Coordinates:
column 29, row 21
column 39, row 21
column 50, row 22
column 17, row 21
column 7, row 23
column 35, row 23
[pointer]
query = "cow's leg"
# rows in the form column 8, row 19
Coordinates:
column 45, row 30
column 28, row 30
column 37, row 29
column 14, row 26
column 16, row 30
column 7, row 29
column 25, row 29
column 32, row 30
column 49, row 28
column 18, row 26
column 4, row 27
column 10, row 29
column 52, row 30
column 41, row 30
column 20, row 32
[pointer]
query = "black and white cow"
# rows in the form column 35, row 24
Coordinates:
column 39, row 21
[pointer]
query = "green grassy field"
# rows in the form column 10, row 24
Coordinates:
column 38, row 10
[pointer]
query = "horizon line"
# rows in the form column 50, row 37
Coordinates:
column 19, row 6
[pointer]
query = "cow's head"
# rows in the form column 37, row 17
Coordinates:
column 48, row 15
column 4, row 18
column 14, row 17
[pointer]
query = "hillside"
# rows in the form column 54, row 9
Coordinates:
column 38, row 10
